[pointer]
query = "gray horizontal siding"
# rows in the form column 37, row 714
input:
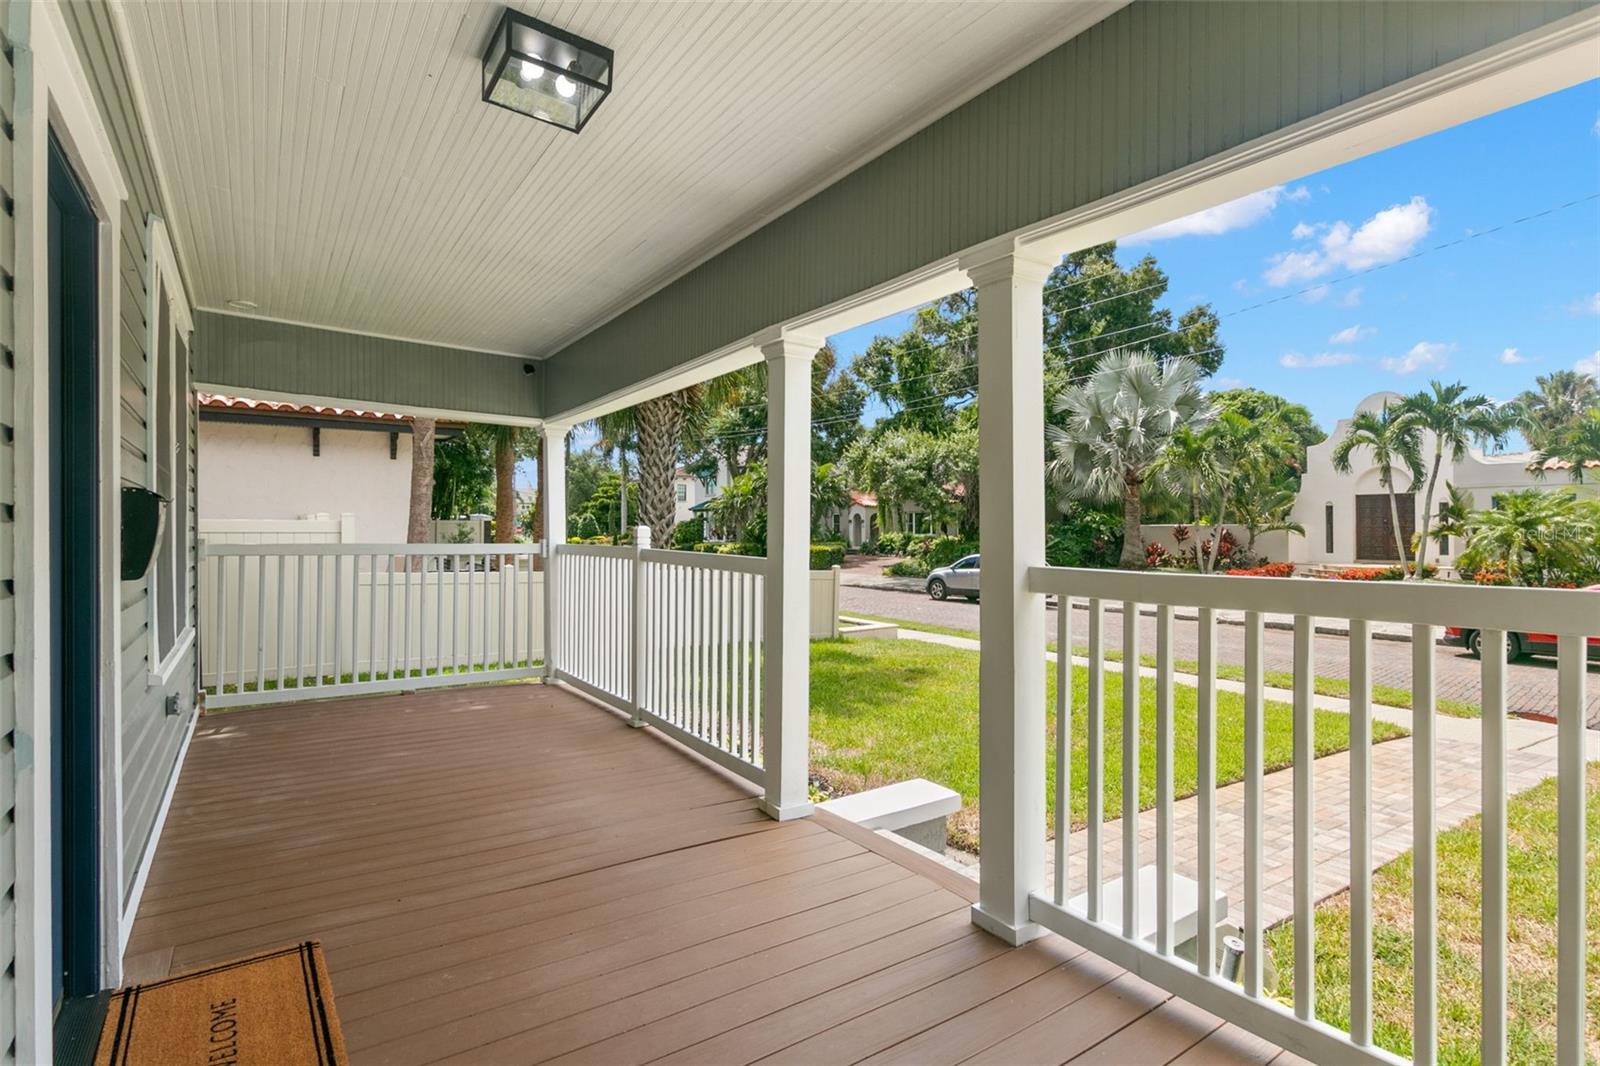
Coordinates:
column 1153, row 88
column 245, row 354
column 151, row 737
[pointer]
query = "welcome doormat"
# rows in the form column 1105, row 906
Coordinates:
column 271, row 1008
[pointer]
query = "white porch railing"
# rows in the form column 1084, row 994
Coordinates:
column 674, row 638
column 1570, row 615
column 288, row 621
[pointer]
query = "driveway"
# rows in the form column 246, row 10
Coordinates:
column 1530, row 684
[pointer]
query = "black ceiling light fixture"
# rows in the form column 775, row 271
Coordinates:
column 535, row 69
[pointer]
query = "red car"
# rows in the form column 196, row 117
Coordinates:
column 1517, row 644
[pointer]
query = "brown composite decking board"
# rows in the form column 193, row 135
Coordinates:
column 512, row 874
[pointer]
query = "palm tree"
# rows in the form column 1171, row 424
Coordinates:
column 1393, row 436
column 1577, row 444
column 617, row 436
column 423, row 431
column 659, row 427
column 1455, row 419
column 1268, row 511
column 1537, row 535
column 509, row 443
column 1560, row 398
column 1454, row 514
column 1115, row 428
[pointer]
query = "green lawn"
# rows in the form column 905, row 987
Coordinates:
column 1324, row 686
column 884, row 711
column 1531, row 896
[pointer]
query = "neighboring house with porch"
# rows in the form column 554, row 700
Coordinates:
column 1347, row 518
column 266, row 460
column 412, row 248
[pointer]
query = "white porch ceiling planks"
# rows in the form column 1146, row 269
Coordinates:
column 333, row 162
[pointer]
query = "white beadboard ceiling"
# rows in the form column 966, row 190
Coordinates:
column 334, row 163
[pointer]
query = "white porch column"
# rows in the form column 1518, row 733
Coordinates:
column 1011, row 692
column 553, row 488
column 786, row 615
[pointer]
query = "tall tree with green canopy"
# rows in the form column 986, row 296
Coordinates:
column 1115, row 427
column 1092, row 306
column 463, row 475
column 1455, row 419
column 1395, row 440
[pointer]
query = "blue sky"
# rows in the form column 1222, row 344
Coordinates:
column 1493, row 311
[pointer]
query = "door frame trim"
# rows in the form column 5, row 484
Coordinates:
column 54, row 94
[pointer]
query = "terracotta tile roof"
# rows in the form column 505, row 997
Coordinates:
column 214, row 402
column 1561, row 464
column 864, row 499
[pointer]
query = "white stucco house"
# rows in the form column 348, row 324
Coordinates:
column 268, row 461
column 1347, row 517
column 856, row 523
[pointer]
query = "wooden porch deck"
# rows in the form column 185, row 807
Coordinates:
column 513, row 875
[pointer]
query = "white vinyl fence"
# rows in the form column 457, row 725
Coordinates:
column 1425, row 607
column 673, row 637
column 288, row 621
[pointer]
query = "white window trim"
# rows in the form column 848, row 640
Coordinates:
column 165, row 276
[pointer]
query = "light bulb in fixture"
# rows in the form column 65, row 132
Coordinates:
column 565, row 87
column 531, row 71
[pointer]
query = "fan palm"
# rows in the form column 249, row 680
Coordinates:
column 1115, row 428
column 1395, row 440
column 1455, row 419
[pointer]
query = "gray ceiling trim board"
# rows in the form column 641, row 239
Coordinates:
column 257, row 357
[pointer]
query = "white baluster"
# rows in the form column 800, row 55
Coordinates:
column 1305, row 870
column 1130, row 769
column 1164, row 779
column 1063, row 743
column 1571, row 938
column 261, row 623
column 1424, row 863
column 277, row 648
column 1360, row 831
column 1095, row 734
column 1253, row 827
column 1492, row 1049
column 1205, row 758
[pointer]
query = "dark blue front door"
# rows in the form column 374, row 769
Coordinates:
column 73, row 582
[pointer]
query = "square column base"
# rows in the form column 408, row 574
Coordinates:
column 1015, row 935
column 784, row 814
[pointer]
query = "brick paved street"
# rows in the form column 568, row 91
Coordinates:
column 1530, row 684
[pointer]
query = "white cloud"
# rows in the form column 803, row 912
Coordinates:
column 1305, row 230
column 1587, row 305
column 1424, row 355
column 1512, row 356
column 1320, row 361
column 1387, row 236
column 1352, row 334
column 1316, row 294
column 1590, row 365
column 1351, row 297
column 1221, row 384
column 1224, row 218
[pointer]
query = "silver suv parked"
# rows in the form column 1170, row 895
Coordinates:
column 960, row 578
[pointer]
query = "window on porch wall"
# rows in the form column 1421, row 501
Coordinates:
column 167, row 433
